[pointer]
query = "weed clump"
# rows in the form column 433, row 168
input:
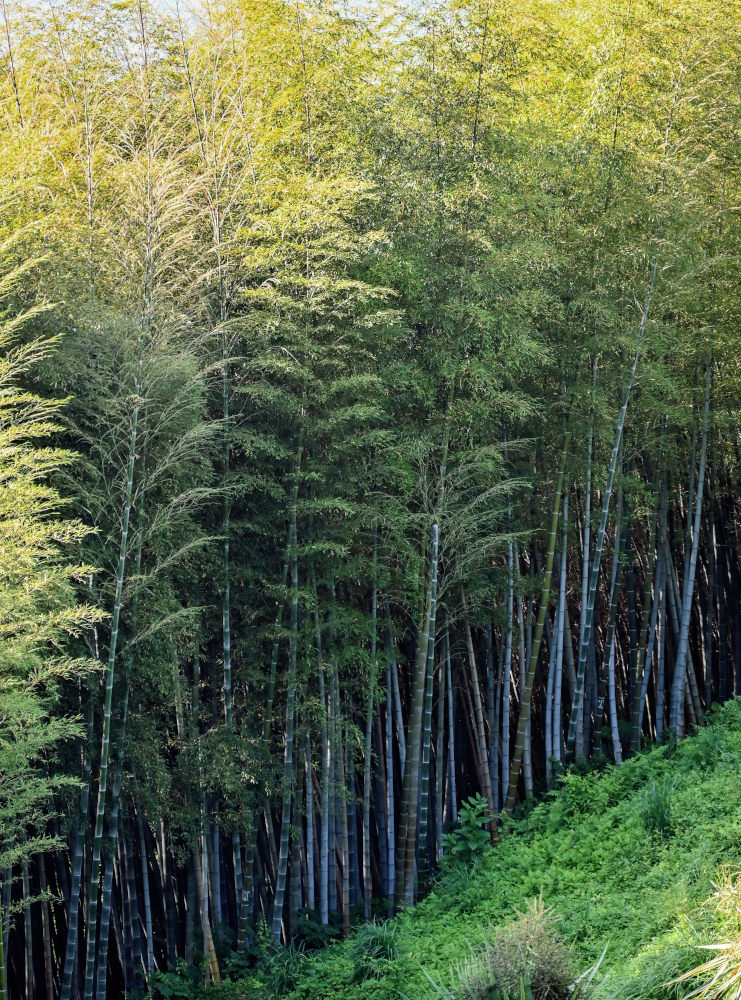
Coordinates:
column 655, row 808
column 524, row 957
column 373, row 949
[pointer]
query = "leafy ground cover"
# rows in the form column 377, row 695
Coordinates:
column 627, row 860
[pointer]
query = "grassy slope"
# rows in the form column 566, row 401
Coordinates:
column 588, row 850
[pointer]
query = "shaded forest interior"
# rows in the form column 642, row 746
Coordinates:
column 369, row 441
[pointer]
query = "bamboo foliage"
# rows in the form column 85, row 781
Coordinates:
column 323, row 286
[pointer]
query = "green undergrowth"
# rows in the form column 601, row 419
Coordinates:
column 625, row 859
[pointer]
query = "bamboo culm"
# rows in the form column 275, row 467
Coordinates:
column 406, row 865
column 676, row 718
column 585, row 637
column 280, row 886
column 514, row 771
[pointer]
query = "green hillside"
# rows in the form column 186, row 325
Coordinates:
column 628, row 860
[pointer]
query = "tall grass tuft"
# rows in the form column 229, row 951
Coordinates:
column 655, row 808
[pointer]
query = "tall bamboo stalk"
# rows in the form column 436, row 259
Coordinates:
column 451, row 727
column 280, row 885
column 105, row 908
column 404, row 889
column 586, row 635
column 335, row 835
column 709, row 608
column 642, row 663
column 92, row 903
column 145, row 325
column 6, row 889
column 326, row 769
column 562, row 618
column 73, row 907
column 618, row 564
column 390, row 795
column 143, row 858
column 344, row 832
column 649, row 652
column 29, row 976
column 3, row 965
column 440, row 758
column 310, row 869
column 676, row 718
column 425, row 790
column 370, row 709
column 105, row 911
column 514, row 771
column 491, row 688
column 601, row 674
column 200, row 848
column 398, row 714
column 482, row 750
column 587, row 535
column 507, row 679
column 550, row 682
column 132, row 942
column 46, row 928
column 326, row 762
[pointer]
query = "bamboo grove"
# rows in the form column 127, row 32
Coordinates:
column 369, row 383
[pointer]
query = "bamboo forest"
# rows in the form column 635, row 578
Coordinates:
column 370, row 499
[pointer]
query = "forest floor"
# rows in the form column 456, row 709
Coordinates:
column 627, row 861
